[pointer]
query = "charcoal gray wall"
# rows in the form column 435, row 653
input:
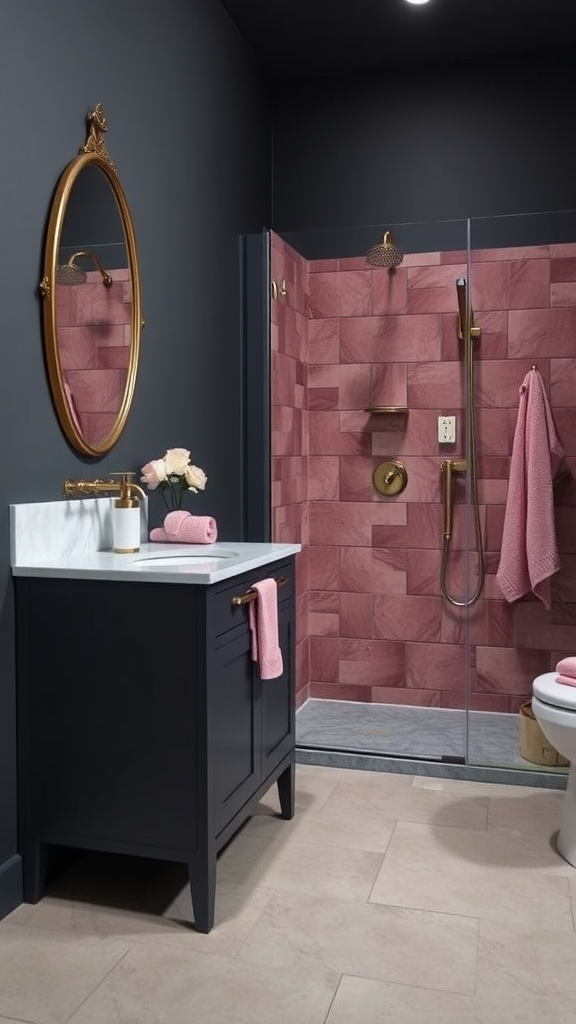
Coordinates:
column 189, row 135
column 473, row 139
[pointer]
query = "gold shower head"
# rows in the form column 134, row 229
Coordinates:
column 71, row 273
column 385, row 254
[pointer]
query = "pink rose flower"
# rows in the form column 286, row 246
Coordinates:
column 153, row 473
column 195, row 478
column 176, row 460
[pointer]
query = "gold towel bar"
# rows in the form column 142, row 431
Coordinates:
column 251, row 595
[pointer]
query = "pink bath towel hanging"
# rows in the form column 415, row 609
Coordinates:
column 263, row 621
column 529, row 554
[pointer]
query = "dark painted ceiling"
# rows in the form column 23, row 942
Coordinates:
column 301, row 38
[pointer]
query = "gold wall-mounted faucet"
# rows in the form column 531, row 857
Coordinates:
column 84, row 488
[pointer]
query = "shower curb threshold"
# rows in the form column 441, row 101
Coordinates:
column 548, row 779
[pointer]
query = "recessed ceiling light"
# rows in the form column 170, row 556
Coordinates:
column 417, row 1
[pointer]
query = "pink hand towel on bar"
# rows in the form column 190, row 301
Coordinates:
column 182, row 528
column 529, row 555
column 567, row 667
column 263, row 620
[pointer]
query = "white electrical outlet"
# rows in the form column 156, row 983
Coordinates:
column 447, row 429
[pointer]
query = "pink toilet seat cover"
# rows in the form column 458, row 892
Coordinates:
column 547, row 689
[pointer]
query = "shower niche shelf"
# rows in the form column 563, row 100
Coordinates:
column 381, row 410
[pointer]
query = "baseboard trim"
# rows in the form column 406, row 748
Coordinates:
column 10, row 885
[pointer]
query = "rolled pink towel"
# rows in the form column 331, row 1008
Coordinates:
column 567, row 667
column 567, row 680
column 184, row 528
column 159, row 534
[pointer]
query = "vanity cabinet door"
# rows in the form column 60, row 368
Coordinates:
column 277, row 699
column 234, row 756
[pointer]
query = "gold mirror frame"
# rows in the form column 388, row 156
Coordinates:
column 94, row 154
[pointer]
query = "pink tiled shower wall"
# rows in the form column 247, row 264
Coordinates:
column 372, row 624
column 94, row 336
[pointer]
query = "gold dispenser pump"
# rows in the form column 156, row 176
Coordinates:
column 126, row 510
column 468, row 333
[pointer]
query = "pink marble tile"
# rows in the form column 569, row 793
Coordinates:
column 389, row 292
column 325, row 601
column 350, row 522
column 564, row 582
column 373, row 570
column 435, row 385
column 562, row 382
column 423, row 571
column 353, row 383
column 493, row 343
column 400, row 695
column 327, row 437
column 491, row 623
column 292, row 333
column 492, row 491
column 76, row 348
column 400, row 339
column 97, row 390
column 534, row 333
column 283, row 380
column 356, row 615
column 389, row 384
column 324, row 656
column 563, row 269
column 490, row 702
column 494, row 527
column 529, row 284
column 441, row 278
column 564, row 521
column 406, row 618
column 97, row 426
column 503, row 670
column 563, row 250
column 323, row 399
column 563, row 294
column 338, row 691
column 489, row 285
column 324, row 340
column 498, row 381
column 534, row 627
column 435, row 666
column 434, row 299
column 117, row 357
column 427, row 259
column 324, row 567
column 423, row 529
column 324, row 266
column 514, row 252
column 323, row 478
column 492, row 432
column 323, row 624
column 346, row 294
column 371, row 662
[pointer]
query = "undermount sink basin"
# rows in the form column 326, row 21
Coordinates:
column 198, row 560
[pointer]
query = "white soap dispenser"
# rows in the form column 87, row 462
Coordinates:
column 126, row 517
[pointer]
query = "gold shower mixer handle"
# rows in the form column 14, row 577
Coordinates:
column 390, row 478
column 448, row 468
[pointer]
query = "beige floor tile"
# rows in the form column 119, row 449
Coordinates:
column 532, row 816
column 359, row 1001
column 409, row 803
column 294, row 866
column 478, row 874
column 416, row 947
column 154, row 985
column 45, row 977
column 88, row 913
column 491, row 789
column 540, row 963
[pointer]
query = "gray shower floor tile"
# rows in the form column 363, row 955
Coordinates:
column 482, row 738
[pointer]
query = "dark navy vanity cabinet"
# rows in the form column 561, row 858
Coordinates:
column 144, row 727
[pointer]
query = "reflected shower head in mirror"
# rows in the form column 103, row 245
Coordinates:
column 71, row 273
column 385, row 254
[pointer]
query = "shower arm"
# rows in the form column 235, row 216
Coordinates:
column 106, row 279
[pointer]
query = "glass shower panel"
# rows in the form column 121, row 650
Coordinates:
column 523, row 289
column 368, row 395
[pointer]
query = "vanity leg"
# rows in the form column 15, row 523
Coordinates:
column 286, row 791
column 34, row 867
column 202, row 875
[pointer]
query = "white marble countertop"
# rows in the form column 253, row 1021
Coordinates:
column 72, row 540
column 161, row 563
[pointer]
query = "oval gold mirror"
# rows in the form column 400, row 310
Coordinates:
column 91, row 298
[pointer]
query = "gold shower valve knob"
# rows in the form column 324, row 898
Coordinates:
column 390, row 478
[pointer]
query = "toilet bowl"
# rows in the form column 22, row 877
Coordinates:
column 554, row 706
